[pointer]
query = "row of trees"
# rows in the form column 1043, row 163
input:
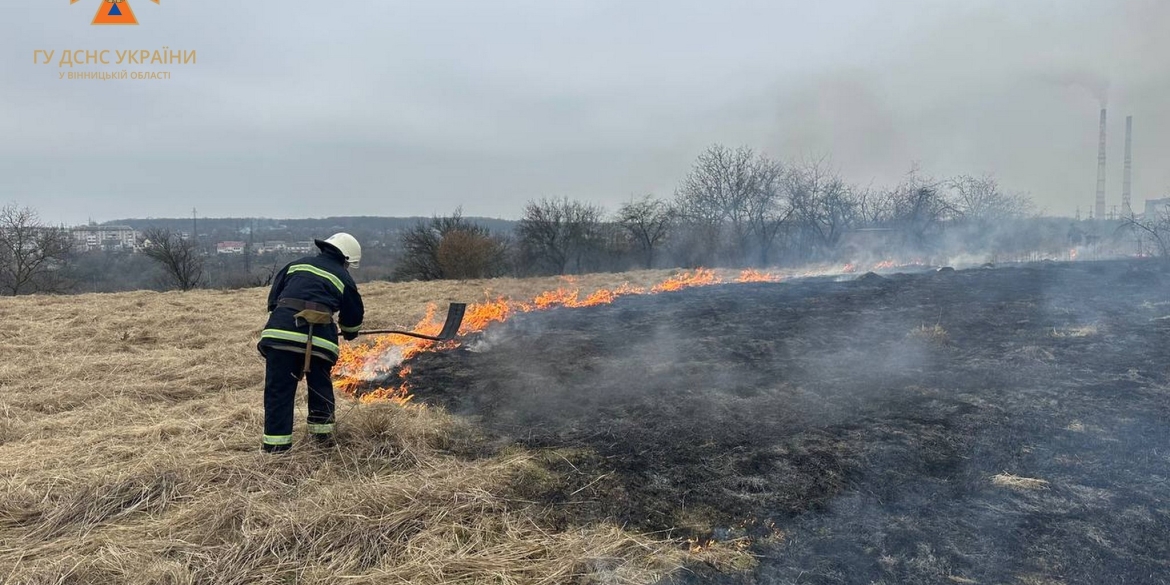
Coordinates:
column 745, row 208
column 555, row 236
column 736, row 207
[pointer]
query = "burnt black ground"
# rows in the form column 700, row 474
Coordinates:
column 818, row 419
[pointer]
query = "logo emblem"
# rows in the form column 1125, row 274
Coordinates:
column 114, row 12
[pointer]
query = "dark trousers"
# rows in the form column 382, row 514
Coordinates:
column 280, row 387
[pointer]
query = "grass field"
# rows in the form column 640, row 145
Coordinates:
column 1002, row 425
column 129, row 434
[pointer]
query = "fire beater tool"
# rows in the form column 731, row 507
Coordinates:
column 450, row 326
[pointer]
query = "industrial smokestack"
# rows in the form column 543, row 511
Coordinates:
column 1127, row 179
column 1100, row 207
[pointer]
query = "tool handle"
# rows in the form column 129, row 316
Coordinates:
column 308, row 352
column 397, row 332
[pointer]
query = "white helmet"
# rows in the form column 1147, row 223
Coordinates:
column 347, row 245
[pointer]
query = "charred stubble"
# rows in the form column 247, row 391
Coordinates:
column 853, row 431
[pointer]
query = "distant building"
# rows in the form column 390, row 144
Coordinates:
column 230, row 247
column 299, row 247
column 115, row 238
column 1157, row 208
column 274, row 247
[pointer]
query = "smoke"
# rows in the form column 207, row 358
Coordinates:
column 1018, row 107
column 1092, row 82
column 866, row 420
column 487, row 340
column 378, row 367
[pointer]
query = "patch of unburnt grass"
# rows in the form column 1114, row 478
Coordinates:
column 1016, row 482
column 931, row 333
column 1032, row 354
column 1087, row 330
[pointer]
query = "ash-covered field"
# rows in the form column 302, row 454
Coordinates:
column 1006, row 425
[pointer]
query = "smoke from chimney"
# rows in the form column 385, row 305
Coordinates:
column 1127, row 179
column 1100, row 207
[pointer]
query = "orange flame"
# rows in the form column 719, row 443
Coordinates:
column 699, row 277
column 750, row 275
column 360, row 363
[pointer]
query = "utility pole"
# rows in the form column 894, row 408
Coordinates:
column 248, row 249
column 1127, row 180
column 1099, row 211
column 194, row 226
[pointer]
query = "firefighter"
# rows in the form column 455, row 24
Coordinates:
column 300, row 338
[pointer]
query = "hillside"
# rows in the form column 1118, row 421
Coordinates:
column 129, row 433
column 1001, row 425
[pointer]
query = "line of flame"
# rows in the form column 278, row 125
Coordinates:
column 360, row 363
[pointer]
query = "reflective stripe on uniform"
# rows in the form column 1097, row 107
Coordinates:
column 353, row 329
column 322, row 273
column 299, row 337
column 277, row 439
column 320, row 429
column 301, row 350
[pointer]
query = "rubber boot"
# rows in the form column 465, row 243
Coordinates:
column 324, row 440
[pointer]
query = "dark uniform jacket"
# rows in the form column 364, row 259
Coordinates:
column 320, row 279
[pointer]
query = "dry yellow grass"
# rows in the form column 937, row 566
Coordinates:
column 1080, row 331
column 931, row 333
column 1033, row 353
column 1018, row 483
column 129, row 435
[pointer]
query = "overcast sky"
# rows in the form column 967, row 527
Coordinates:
column 372, row 107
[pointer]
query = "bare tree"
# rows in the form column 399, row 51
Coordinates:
column 823, row 206
column 264, row 276
column 472, row 253
column 420, row 252
column 647, row 220
column 696, row 243
column 735, row 193
column 873, row 207
column 980, row 200
column 420, row 248
column 918, row 209
column 1152, row 232
column 31, row 253
column 450, row 247
column 716, row 191
column 768, row 210
column 180, row 258
column 614, row 250
column 557, row 233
